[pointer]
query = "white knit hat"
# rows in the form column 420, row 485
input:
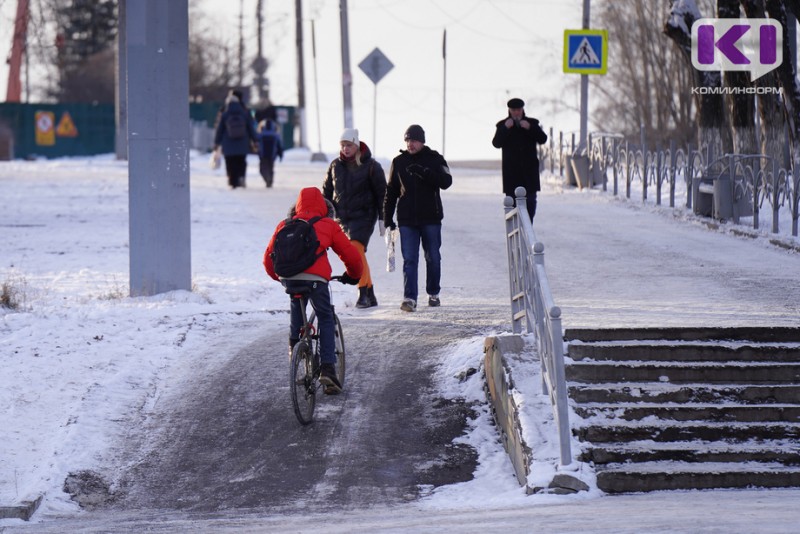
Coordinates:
column 350, row 134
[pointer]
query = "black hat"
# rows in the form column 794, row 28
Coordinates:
column 516, row 103
column 415, row 132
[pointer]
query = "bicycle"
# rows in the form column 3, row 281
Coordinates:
column 305, row 362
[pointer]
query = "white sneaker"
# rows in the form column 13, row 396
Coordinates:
column 408, row 305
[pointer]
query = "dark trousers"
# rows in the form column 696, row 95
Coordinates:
column 320, row 298
column 236, row 169
column 267, row 168
column 530, row 204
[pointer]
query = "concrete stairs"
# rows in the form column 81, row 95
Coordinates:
column 687, row 408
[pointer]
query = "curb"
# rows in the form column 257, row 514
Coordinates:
column 504, row 409
column 499, row 388
column 23, row 510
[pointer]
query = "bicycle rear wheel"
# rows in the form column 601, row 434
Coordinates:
column 302, row 382
column 340, row 353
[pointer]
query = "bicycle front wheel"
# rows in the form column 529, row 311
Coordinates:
column 302, row 382
column 340, row 355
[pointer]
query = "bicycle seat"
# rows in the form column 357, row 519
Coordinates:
column 297, row 290
column 297, row 293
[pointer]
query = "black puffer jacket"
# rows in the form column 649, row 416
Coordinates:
column 356, row 192
column 416, row 194
column 520, row 158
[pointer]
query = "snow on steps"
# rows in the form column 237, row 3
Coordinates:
column 687, row 408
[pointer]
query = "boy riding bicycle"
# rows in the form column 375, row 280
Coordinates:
column 310, row 203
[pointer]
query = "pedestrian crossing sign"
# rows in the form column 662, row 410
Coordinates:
column 586, row 51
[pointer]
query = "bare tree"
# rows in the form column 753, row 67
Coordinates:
column 788, row 78
column 75, row 62
column 212, row 57
column 740, row 106
column 712, row 125
column 647, row 85
column 769, row 106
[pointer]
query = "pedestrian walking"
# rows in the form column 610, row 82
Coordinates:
column 518, row 136
column 356, row 185
column 270, row 148
column 235, row 134
column 416, row 178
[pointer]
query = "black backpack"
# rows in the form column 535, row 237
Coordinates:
column 295, row 248
column 235, row 126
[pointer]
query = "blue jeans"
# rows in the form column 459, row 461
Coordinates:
column 320, row 299
column 430, row 235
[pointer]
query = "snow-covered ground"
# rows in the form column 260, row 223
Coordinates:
column 78, row 356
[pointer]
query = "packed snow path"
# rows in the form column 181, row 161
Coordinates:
column 98, row 382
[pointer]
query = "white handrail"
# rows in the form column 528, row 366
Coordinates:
column 533, row 310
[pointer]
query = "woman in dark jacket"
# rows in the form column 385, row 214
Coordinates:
column 235, row 134
column 355, row 184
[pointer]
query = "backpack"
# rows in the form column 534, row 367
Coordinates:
column 235, row 126
column 295, row 248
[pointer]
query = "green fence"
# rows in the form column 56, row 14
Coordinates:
column 61, row 130
column 56, row 130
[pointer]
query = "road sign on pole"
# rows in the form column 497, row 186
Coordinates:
column 376, row 65
column 586, row 51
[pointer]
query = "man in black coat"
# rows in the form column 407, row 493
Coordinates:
column 518, row 136
column 416, row 177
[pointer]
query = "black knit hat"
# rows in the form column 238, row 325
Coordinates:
column 415, row 132
column 516, row 103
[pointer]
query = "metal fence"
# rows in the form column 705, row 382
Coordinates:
column 737, row 187
column 533, row 311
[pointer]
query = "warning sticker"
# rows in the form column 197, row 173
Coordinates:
column 66, row 126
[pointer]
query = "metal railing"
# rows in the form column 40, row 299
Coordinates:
column 533, row 311
column 768, row 186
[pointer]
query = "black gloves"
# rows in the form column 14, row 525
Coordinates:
column 415, row 169
column 388, row 223
column 347, row 279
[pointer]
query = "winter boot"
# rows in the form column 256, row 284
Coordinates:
column 363, row 298
column 328, row 378
column 372, row 300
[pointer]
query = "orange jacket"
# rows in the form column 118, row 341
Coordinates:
column 310, row 203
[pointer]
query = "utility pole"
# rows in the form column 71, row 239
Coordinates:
column 300, row 118
column 319, row 155
column 241, row 43
column 121, row 108
column 260, row 63
column 584, row 139
column 444, row 86
column 347, row 77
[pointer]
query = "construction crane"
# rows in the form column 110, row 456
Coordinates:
column 14, row 92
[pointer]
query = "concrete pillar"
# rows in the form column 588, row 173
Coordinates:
column 158, row 145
